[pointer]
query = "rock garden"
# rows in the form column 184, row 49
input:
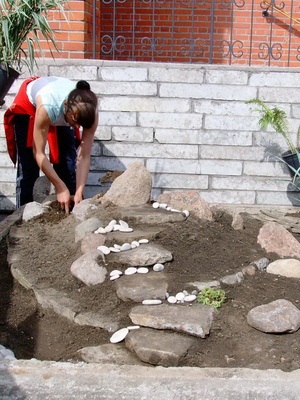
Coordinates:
column 126, row 280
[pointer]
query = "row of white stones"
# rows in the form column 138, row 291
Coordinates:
column 122, row 226
column 117, row 248
column 116, row 273
column 156, row 204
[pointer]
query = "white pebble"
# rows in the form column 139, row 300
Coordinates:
column 151, row 302
column 180, row 296
column 158, row 267
column 175, row 210
column 189, row 298
column 117, row 227
column 142, row 270
column 123, row 224
column 163, row 205
column 135, row 243
column 167, row 295
column 186, row 213
column 104, row 249
column 155, row 205
column 117, row 246
column 125, row 246
column 169, row 208
column 172, row 299
column 114, row 277
column 186, row 293
column 125, row 229
column 115, row 272
column 133, row 327
column 130, row 271
column 100, row 230
column 114, row 250
column 119, row 335
column 143, row 241
column 108, row 228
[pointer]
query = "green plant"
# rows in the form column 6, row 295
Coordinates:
column 25, row 22
column 211, row 297
column 277, row 119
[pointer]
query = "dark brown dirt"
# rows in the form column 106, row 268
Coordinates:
column 201, row 251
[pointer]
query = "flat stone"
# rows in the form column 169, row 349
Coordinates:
column 141, row 287
column 158, row 347
column 142, row 256
column 288, row 267
column 107, row 354
column 97, row 320
column 149, row 215
column 122, row 237
column 195, row 320
column 57, row 301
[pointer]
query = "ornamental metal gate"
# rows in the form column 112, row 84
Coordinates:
column 201, row 31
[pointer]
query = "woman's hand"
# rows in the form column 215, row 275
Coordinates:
column 64, row 200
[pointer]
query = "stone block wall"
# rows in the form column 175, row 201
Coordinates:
column 188, row 124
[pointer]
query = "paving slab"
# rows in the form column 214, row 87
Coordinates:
column 47, row 380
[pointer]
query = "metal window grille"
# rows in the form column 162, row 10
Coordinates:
column 201, row 31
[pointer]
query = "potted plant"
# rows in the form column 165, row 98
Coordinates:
column 277, row 119
column 22, row 24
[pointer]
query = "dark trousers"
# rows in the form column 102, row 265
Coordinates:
column 27, row 168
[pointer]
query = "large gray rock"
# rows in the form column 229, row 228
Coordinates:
column 187, row 200
column 88, row 268
column 279, row 316
column 42, row 189
column 140, row 287
column 83, row 209
column 158, row 347
column 274, row 238
column 195, row 320
column 86, row 227
column 33, row 209
column 58, row 301
column 132, row 188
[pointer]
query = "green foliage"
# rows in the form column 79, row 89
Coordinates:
column 277, row 119
column 211, row 297
column 25, row 21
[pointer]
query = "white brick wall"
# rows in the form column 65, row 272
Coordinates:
column 188, row 124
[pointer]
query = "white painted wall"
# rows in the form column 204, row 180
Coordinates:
column 187, row 123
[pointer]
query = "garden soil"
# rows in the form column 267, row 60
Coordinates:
column 201, row 251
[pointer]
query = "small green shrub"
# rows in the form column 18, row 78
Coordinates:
column 211, row 297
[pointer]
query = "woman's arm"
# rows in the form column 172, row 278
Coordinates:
column 40, row 133
column 83, row 160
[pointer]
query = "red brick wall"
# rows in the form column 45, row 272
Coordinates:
column 74, row 30
column 75, row 38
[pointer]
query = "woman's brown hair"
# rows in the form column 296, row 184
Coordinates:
column 85, row 101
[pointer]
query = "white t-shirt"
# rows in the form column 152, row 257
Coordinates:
column 53, row 91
